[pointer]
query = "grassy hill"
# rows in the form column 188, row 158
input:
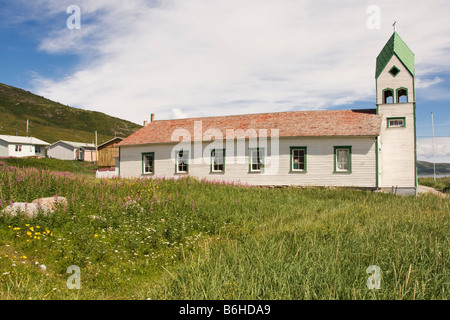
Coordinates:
column 52, row 121
column 426, row 168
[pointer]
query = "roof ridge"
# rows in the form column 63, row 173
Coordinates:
column 264, row 113
column 316, row 123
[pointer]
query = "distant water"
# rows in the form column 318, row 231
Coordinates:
column 437, row 176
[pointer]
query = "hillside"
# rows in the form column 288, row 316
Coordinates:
column 52, row 121
column 426, row 168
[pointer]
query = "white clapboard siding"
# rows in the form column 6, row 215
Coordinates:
column 320, row 162
column 4, row 151
column 27, row 150
column 61, row 151
column 397, row 152
column 397, row 165
column 403, row 79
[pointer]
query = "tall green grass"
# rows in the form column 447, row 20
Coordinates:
column 51, row 164
column 187, row 239
column 442, row 184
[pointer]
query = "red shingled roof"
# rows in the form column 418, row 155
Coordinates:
column 290, row 124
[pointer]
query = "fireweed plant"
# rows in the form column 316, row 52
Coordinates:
column 191, row 239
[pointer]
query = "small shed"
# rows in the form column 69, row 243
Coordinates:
column 108, row 152
column 68, row 150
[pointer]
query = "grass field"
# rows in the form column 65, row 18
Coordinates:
column 441, row 184
column 187, row 239
column 70, row 166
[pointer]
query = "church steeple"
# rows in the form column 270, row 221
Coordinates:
column 395, row 72
column 395, row 46
column 396, row 103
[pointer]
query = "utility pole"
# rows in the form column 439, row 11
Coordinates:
column 96, row 149
column 28, row 123
column 432, row 142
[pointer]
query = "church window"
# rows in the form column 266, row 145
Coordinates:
column 388, row 96
column 342, row 159
column 394, row 71
column 402, row 95
column 395, row 122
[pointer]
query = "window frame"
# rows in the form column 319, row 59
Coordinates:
column 176, row 161
column 18, row 148
column 291, row 166
column 392, row 74
column 250, row 157
column 211, row 165
column 398, row 97
column 393, row 96
column 143, row 163
column 336, row 149
column 388, row 120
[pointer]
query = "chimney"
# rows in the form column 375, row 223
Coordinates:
column 152, row 117
column 145, row 123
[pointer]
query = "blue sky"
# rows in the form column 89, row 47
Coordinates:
column 188, row 58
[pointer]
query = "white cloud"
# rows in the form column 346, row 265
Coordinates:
column 425, row 83
column 178, row 114
column 441, row 149
column 198, row 57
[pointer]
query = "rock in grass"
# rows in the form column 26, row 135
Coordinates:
column 29, row 209
column 43, row 205
column 51, row 202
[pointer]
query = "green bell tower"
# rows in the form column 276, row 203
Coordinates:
column 396, row 102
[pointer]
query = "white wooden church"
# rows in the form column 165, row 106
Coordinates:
column 373, row 148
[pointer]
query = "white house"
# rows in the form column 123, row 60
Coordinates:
column 16, row 146
column 373, row 148
column 68, row 150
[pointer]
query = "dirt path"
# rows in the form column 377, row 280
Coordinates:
column 424, row 189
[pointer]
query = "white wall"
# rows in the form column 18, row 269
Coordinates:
column 4, row 151
column 397, row 154
column 27, row 150
column 320, row 163
column 397, row 165
column 402, row 80
column 61, row 151
column 104, row 174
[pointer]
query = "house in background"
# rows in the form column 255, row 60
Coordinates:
column 68, row 150
column 373, row 148
column 108, row 152
column 16, row 146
